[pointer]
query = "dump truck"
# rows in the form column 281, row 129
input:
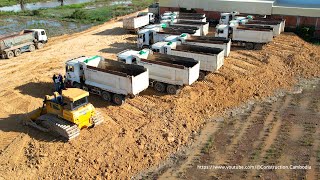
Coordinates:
column 226, row 18
column 147, row 37
column 65, row 114
column 204, row 41
column 282, row 22
column 133, row 24
column 27, row 40
column 167, row 73
column 249, row 37
column 112, row 80
column 211, row 59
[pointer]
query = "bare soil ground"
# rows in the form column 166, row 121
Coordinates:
column 282, row 133
column 149, row 128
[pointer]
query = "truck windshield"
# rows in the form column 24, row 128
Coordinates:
column 69, row 68
column 79, row 103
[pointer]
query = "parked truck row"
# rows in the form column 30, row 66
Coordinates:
column 178, row 54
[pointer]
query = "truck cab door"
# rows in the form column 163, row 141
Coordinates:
column 73, row 73
column 151, row 40
column 41, row 36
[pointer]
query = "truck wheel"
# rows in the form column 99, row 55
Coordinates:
column 160, row 87
column 106, row 96
column 17, row 52
column 32, row 48
column 9, row 54
column 39, row 46
column 118, row 99
column 202, row 75
column 258, row 46
column 172, row 89
column 249, row 46
column 77, row 85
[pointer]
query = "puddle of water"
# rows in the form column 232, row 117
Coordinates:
column 53, row 27
column 40, row 5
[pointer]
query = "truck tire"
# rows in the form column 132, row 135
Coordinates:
column 9, row 54
column 17, row 52
column 32, row 48
column 160, row 87
column 172, row 89
column 77, row 85
column 106, row 96
column 39, row 45
column 118, row 99
column 249, row 46
column 258, row 46
column 202, row 75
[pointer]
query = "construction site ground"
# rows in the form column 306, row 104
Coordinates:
column 151, row 127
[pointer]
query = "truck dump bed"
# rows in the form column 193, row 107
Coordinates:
column 191, row 15
column 211, row 59
column 192, row 30
column 214, row 42
column 204, row 26
column 191, row 18
column 133, row 23
column 176, row 31
column 199, row 49
column 117, row 77
column 276, row 25
column 172, row 69
column 7, row 42
column 256, row 34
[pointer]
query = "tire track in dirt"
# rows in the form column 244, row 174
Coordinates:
column 313, row 173
column 243, row 128
column 192, row 154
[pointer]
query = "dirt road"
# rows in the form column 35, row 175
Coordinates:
column 148, row 128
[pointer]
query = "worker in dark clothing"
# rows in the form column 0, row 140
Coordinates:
column 56, row 83
column 61, row 83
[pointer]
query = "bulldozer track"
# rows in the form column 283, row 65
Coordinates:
column 56, row 125
column 97, row 118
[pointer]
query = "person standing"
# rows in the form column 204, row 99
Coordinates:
column 56, row 83
column 60, row 81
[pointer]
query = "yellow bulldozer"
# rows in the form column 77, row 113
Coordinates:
column 66, row 114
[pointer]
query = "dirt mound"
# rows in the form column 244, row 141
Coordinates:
column 148, row 128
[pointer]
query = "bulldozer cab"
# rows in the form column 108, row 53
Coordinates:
column 70, row 100
column 74, row 98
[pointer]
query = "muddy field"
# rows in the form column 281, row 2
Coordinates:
column 280, row 131
column 149, row 128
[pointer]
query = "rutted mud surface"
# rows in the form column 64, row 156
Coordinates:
column 283, row 132
column 149, row 128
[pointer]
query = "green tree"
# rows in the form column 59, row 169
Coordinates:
column 22, row 3
column 62, row 2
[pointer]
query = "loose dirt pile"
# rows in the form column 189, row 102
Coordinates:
column 148, row 128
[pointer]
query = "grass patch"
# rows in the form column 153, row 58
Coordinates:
column 99, row 11
column 14, row 2
column 208, row 146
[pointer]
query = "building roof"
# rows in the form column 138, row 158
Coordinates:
column 308, row 8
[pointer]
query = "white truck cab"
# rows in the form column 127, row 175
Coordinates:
column 151, row 16
column 40, row 35
column 164, row 47
column 130, row 56
column 222, row 30
column 74, row 68
column 225, row 18
column 145, row 37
